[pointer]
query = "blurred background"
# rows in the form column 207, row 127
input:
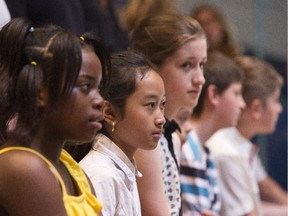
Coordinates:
column 260, row 27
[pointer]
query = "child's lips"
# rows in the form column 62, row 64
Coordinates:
column 195, row 92
column 95, row 121
column 157, row 134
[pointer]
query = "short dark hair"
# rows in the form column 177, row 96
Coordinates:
column 127, row 67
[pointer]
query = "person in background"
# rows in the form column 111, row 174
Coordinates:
column 243, row 179
column 133, row 119
column 177, row 45
column 136, row 10
column 58, row 12
column 78, row 16
column 102, row 17
column 49, row 88
column 219, row 33
column 220, row 105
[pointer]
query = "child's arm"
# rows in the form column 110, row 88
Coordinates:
column 28, row 187
column 272, row 192
column 150, row 186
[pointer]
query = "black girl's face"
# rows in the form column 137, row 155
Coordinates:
column 81, row 114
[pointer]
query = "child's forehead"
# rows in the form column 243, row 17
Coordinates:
column 150, row 80
column 235, row 85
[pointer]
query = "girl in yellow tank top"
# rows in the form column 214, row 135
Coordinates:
column 83, row 205
column 49, row 87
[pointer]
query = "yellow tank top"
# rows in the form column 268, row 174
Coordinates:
column 86, row 204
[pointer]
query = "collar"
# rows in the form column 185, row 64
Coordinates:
column 109, row 148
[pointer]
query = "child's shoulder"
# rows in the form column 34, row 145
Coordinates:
column 222, row 142
column 23, row 168
column 21, row 162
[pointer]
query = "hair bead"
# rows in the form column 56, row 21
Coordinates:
column 31, row 29
column 33, row 63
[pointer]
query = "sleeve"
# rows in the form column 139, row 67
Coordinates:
column 260, row 172
column 234, row 185
column 4, row 13
column 105, row 183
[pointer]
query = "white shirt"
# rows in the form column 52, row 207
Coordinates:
column 4, row 14
column 240, row 169
column 113, row 176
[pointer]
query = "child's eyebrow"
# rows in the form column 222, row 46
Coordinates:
column 153, row 96
column 87, row 77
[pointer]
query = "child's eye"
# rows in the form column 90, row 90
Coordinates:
column 86, row 87
column 186, row 65
column 202, row 66
column 151, row 105
column 162, row 105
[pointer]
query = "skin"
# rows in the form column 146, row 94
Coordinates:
column 143, row 120
column 183, row 78
column 270, row 113
column 231, row 105
column 183, row 120
column 264, row 117
column 27, row 185
column 220, row 110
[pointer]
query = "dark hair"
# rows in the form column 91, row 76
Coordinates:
column 220, row 71
column 32, row 59
column 98, row 46
column 159, row 37
column 127, row 67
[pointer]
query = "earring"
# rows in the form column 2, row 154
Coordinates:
column 113, row 126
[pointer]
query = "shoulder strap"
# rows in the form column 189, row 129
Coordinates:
column 50, row 165
column 169, row 128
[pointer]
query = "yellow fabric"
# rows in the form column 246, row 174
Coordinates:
column 86, row 204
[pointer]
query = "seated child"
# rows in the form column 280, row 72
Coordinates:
column 241, row 172
column 133, row 119
column 220, row 105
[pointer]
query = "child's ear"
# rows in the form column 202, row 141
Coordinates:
column 256, row 108
column 212, row 94
column 42, row 99
column 109, row 112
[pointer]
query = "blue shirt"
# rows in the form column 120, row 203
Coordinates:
column 198, row 177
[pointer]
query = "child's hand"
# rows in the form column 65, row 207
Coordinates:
column 209, row 213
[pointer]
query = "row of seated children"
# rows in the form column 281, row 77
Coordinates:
column 73, row 115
